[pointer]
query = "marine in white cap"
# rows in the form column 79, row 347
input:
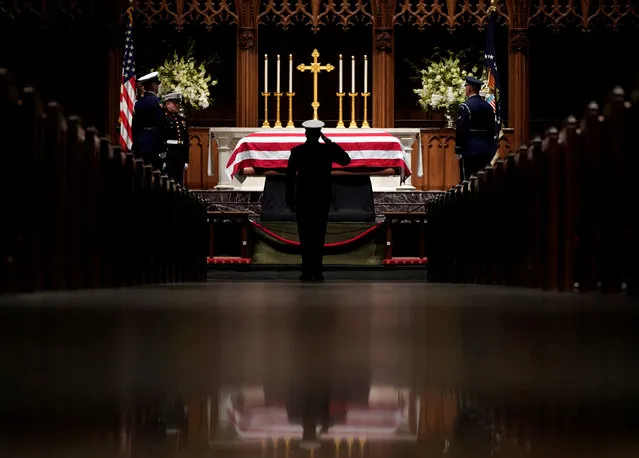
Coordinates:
column 313, row 124
column 149, row 123
column 177, row 138
column 309, row 166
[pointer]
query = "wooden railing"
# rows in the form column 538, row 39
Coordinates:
column 79, row 213
column 556, row 214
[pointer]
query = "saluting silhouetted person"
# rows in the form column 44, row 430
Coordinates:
column 310, row 165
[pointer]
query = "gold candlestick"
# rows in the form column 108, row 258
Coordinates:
column 277, row 110
column 365, row 122
column 353, row 124
column 290, row 124
column 266, row 94
column 340, row 123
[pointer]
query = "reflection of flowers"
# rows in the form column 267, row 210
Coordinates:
column 443, row 82
column 183, row 74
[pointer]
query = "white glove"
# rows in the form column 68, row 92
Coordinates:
column 186, row 166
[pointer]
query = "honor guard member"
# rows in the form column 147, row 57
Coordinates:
column 475, row 143
column 148, row 126
column 177, row 138
column 312, row 163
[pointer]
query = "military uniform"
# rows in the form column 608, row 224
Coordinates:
column 177, row 142
column 476, row 133
column 148, row 126
column 311, row 164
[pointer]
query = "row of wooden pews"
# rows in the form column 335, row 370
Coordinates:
column 77, row 212
column 556, row 215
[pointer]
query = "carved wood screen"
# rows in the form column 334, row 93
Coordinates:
column 554, row 14
column 316, row 12
column 451, row 13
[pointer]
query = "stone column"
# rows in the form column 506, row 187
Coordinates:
column 518, row 86
column 383, row 93
column 247, row 71
column 247, row 64
column 518, row 93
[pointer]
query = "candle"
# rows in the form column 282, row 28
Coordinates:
column 365, row 74
column 265, row 72
column 341, row 73
column 290, row 73
column 353, row 74
column 278, row 74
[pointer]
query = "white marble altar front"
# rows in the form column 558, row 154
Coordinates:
column 227, row 138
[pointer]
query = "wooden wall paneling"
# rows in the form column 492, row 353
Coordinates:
column 506, row 143
column 434, row 163
column 415, row 180
column 197, row 176
column 451, row 163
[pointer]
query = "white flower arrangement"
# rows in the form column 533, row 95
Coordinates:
column 185, row 75
column 443, row 83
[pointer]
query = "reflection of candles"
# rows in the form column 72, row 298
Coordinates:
column 341, row 73
column 265, row 72
column 278, row 74
column 353, row 75
column 290, row 73
column 365, row 75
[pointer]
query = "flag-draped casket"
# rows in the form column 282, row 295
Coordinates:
column 372, row 151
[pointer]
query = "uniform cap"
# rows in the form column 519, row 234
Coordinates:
column 149, row 77
column 174, row 96
column 470, row 81
column 313, row 124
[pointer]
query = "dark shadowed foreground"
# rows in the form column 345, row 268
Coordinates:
column 529, row 373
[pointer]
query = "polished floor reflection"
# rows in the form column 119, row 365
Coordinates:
column 359, row 369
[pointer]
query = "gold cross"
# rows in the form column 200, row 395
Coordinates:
column 315, row 68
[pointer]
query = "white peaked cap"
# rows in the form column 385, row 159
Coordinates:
column 172, row 96
column 313, row 124
column 148, row 77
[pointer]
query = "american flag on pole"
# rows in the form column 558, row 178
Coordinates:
column 127, row 89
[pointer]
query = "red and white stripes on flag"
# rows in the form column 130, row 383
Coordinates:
column 127, row 90
column 271, row 150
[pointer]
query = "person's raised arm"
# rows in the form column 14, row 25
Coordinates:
column 338, row 154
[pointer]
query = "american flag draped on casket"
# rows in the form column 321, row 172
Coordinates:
column 255, row 420
column 370, row 150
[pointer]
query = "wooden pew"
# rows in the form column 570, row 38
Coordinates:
column 80, row 213
column 554, row 215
